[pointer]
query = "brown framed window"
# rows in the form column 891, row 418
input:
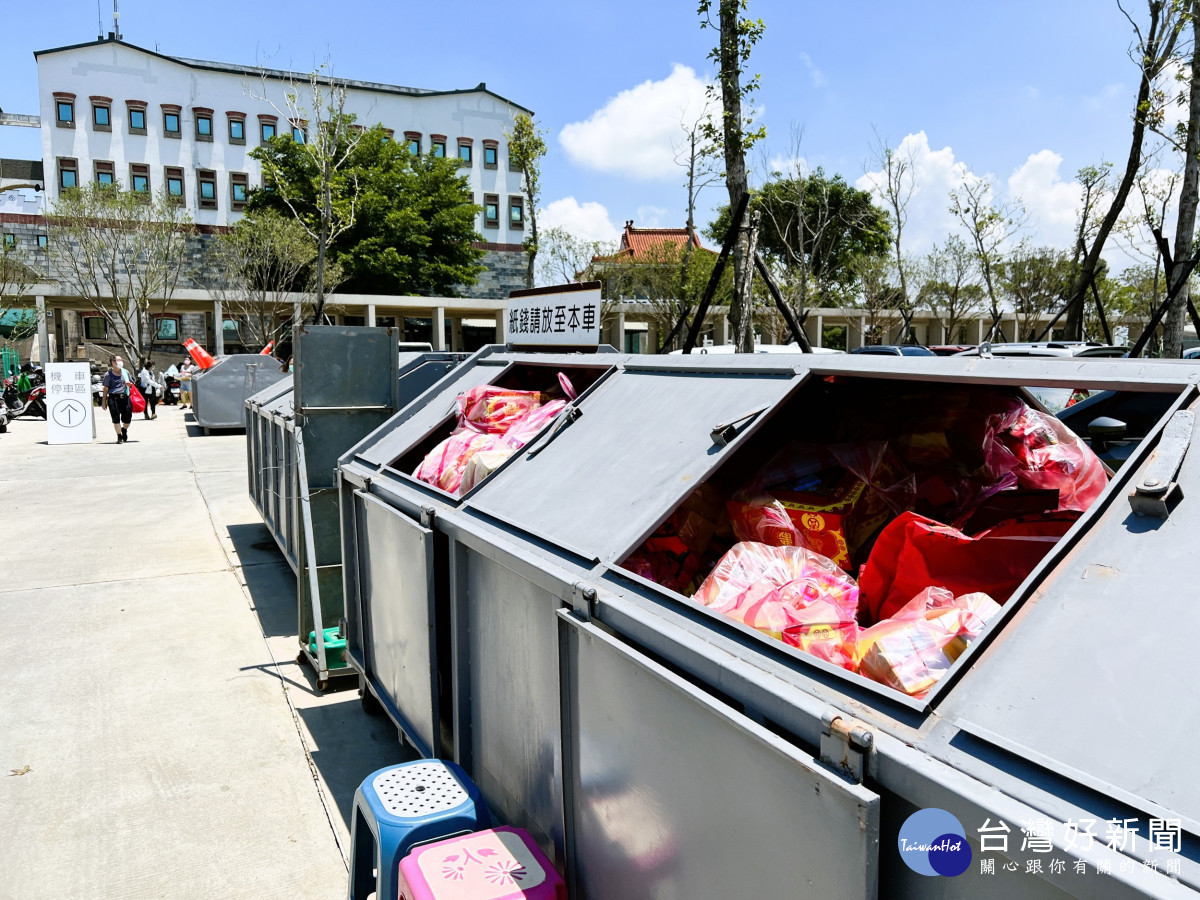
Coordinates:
column 95, row 328
column 437, row 145
column 464, row 151
column 101, row 113
column 136, row 114
column 171, row 120
column 412, row 140
column 68, row 173
column 239, row 186
column 516, row 212
column 267, row 128
column 204, row 123
column 64, row 109
column 491, row 210
column 166, row 328
column 299, row 130
column 491, row 154
column 139, row 178
column 237, row 127
column 104, row 172
column 206, row 188
column 173, row 177
column 389, row 134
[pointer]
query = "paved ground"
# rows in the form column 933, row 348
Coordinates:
column 157, row 736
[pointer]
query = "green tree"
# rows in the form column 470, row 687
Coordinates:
column 951, row 290
column 1035, row 279
column 413, row 224
column 17, row 274
column 526, row 147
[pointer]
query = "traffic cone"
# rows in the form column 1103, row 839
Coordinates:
column 266, row 351
column 199, row 355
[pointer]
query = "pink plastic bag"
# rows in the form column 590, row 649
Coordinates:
column 1047, row 454
column 524, row 429
column 912, row 650
column 492, row 410
column 445, row 464
column 790, row 593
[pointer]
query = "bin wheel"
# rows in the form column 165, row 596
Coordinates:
column 370, row 705
column 322, row 684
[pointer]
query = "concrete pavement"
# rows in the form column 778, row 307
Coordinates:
column 158, row 738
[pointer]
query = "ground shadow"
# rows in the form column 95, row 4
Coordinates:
column 349, row 744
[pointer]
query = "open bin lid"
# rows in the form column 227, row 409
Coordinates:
column 644, row 441
column 1094, row 678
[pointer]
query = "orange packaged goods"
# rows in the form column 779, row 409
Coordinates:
column 492, row 410
column 790, row 593
column 446, row 464
column 912, row 650
column 682, row 547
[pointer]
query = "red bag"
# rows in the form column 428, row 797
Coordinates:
column 913, row 553
column 136, row 400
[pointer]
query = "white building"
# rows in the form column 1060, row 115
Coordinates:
column 113, row 111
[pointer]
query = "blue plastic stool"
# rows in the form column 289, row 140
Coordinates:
column 401, row 806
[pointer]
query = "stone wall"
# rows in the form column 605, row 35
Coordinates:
column 505, row 272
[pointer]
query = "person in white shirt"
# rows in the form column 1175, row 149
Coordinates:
column 151, row 385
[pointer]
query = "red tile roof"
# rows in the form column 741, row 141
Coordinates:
column 636, row 242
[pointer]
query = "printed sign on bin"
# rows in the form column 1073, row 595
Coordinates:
column 565, row 315
column 69, row 403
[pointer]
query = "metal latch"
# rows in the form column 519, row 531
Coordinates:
column 724, row 433
column 845, row 744
column 428, row 514
column 1157, row 492
column 583, row 602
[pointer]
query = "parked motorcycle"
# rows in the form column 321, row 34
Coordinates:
column 171, row 396
column 28, row 402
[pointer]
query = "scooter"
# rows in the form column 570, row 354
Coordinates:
column 171, row 397
column 33, row 404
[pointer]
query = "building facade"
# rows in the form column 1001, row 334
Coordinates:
column 114, row 112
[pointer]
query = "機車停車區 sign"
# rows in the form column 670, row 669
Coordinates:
column 68, row 403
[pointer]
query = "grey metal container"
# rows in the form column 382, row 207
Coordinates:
column 219, row 393
column 657, row 749
column 347, row 381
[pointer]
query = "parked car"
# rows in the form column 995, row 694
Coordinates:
column 1047, row 348
column 1113, row 423
column 894, row 350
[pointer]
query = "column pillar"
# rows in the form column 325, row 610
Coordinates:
column 651, row 338
column 371, row 314
column 218, row 329
column 820, row 341
column 500, row 323
column 43, row 331
column 439, row 328
column 721, row 328
column 616, row 332
column 456, row 334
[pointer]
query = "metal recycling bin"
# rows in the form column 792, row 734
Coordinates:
column 347, row 381
column 219, row 393
column 656, row 748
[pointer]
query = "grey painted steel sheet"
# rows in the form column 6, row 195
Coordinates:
column 678, row 795
column 395, row 577
column 219, row 393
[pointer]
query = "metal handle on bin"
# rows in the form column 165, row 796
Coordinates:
column 725, row 433
column 570, row 415
column 1157, row 492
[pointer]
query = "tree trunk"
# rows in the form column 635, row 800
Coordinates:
column 1190, row 194
column 741, row 315
column 322, row 244
column 533, row 245
column 1158, row 44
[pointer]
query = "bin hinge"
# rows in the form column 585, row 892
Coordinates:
column 725, row 432
column 1156, row 492
column 428, row 514
column 583, row 602
column 845, row 744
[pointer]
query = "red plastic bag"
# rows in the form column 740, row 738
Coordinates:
column 790, row 593
column 136, row 400
column 1047, row 454
column 913, row 553
column 913, row 650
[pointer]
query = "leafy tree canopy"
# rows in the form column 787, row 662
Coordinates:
column 414, row 222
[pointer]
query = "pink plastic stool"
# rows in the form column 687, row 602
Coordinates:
column 497, row 864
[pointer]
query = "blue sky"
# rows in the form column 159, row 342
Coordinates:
column 1025, row 91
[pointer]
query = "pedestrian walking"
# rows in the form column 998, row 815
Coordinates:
column 185, row 382
column 152, row 386
column 116, row 398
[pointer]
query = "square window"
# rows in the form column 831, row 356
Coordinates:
column 167, row 330
column 171, row 123
column 104, row 178
column 43, row 242
column 516, row 212
column 95, row 328
column 141, row 184
column 208, row 190
column 239, row 193
column 139, row 178
column 237, row 130
column 491, row 210
column 298, row 134
column 174, row 178
column 439, row 148
column 204, row 127
column 100, row 116
column 65, row 113
column 231, row 327
column 137, row 120
column 175, row 187
column 267, row 130
column 414, row 147
column 10, row 241
column 68, row 176
column 489, row 157
column 464, row 153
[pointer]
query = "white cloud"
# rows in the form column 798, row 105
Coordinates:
column 934, row 174
column 790, row 166
column 587, row 221
column 818, row 77
column 1053, row 204
column 655, row 217
column 635, row 133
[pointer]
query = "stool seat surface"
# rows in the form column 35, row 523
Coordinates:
column 488, row 865
column 419, row 790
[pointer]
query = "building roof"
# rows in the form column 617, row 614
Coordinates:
column 637, row 242
column 283, row 74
